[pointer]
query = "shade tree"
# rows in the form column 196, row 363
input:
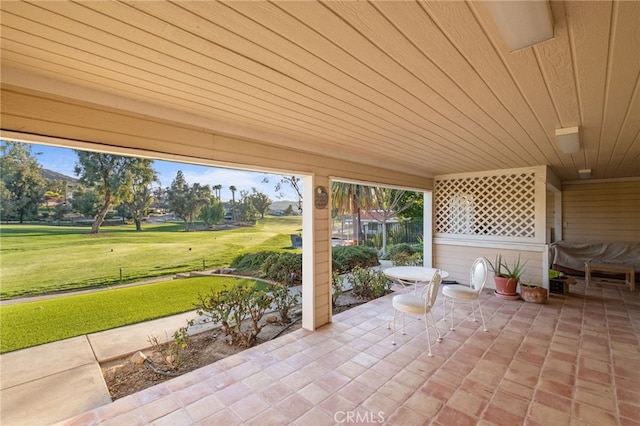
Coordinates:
column 23, row 186
column 111, row 175
column 187, row 201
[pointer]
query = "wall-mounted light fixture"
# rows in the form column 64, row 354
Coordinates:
column 522, row 23
column 568, row 139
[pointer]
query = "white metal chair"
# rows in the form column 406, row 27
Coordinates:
column 470, row 293
column 408, row 303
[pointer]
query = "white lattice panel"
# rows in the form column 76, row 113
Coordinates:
column 500, row 205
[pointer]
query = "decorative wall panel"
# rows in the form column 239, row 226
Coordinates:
column 501, row 205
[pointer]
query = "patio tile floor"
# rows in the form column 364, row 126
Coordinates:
column 572, row 361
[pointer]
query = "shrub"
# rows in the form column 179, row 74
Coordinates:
column 230, row 307
column 406, row 254
column 346, row 258
column 337, row 287
column 251, row 261
column 285, row 268
column 284, row 300
column 369, row 284
column 171, row 357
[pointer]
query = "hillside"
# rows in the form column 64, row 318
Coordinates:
column 51, row 175
column 282, row 206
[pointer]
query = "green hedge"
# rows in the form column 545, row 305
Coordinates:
column 282, row 266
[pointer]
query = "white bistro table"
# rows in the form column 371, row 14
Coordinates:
column 413, row 275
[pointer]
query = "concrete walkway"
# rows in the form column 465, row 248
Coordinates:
column 52, row 382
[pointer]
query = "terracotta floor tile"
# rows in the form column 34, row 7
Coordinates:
column 275, row 393
column 224, row 417
column 153, row 393
column 605, row 399
column 135, row 417
column 410, row 379
column 233, row 393
column 516, row 389
column 423, row 404
column 315, row 416
column 467, row 403
column 249, row 407
column 405, row 416
column 593, row 415
column 552, row 400
column 160, row 407
column 511, row 403
column 371, row 379
column 351, row 369
column 386, row 368
column 355, row 392
column 269, row 417
column 395, row 391
column 204, row 408
column 332, row 381
column 437, row 390
column 545, row 415
column 337, row 403
column 117, row 408
column 378, row 403
column 572, row 361
column 178, row 417
column 365, row 359
column 630, row 411
column 450, row 416
column 293, row 406
column 497, row 416
column 258, row 381
column 193, row 393
column 314, row 393
column 296, row 380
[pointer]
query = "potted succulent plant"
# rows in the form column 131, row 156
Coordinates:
column 507, row 277
column 533, row 293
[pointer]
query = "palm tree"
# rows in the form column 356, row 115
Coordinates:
column 233, row 190
column 217, row 188
column 348, row 197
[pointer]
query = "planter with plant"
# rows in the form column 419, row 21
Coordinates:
column 507, row 277
column 533, row 293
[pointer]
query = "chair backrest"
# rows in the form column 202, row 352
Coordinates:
column 478, row 274
column 432, row 292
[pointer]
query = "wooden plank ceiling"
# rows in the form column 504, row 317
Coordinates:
column 425, row 86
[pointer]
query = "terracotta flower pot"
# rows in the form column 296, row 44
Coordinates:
column 533, row 294
column 506, row 286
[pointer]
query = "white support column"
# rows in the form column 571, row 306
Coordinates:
column 427, row 226
column 308, row 255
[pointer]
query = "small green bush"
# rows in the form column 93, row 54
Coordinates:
column 337, row 287
column 284, row 300
column 346, row 258
column 285, row 268
column 406, row 254
column 369, row 284
column 230, row 307
column 251, row 261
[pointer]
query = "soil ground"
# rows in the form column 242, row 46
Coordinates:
column 124, row 377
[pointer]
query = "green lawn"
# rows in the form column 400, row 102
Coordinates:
column 34, row 323
column 39, row 259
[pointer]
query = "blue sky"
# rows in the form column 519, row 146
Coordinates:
column 62, row 160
